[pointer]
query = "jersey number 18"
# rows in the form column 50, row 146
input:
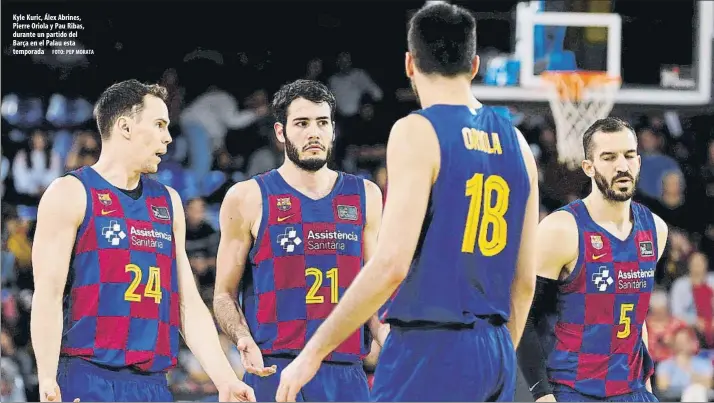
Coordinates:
column 487, row 207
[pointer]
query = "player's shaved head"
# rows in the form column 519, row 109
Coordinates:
column 606, row 125
column 442, row 39
column 125, row 98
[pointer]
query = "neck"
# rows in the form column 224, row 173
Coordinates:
column 310, row 181
column 683, row 357
column 608, row 210
column 435, row 90
column 115, row 170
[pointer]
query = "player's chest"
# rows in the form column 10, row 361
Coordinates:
column 143, row 225
column 322, row 227
column 619, row 266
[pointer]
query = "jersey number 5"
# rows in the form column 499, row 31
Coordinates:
column 493, row 194
column 153, row 284
column 625, row 321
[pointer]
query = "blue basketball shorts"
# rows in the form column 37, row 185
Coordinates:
column 334, row 382
column 81, row 379
column 564, row 393
column 475, row 364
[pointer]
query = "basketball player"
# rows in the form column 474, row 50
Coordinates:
column 596, row 261
column 115, row 239
column 306, row 231
column 463, row 195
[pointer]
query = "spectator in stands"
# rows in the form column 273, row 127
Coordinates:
column 201, row 242
column 205, row 123
column 12, row 386
column 4, row 170
column 691, row 296
column 349, row 85
column 707, row 182
column 661, row 327
column 35, row 166
column 18, row 242
column 654, row 164
column 685, row 375
column 674, row 261
column 85, row 151
column 314, row 70
column 266, row 158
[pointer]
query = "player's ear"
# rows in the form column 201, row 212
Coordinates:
column 124, row 126
column 409, row 64
column 588, row 167
column 475, row 63
column 279, row 132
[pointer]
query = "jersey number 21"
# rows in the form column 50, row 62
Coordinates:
column 487, row 206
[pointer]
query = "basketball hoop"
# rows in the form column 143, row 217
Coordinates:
column 577, row 99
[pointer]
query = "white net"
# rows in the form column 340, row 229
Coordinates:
column 577, row 100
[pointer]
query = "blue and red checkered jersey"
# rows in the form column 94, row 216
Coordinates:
column 596, row 346
column 122, row 303
column 465, row 260
column 306, row 254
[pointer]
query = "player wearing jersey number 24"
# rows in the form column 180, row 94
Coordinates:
column 116, row 239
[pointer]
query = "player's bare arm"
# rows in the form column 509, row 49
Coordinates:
column 662, row 234
column 59, row 215
column 524, row 281
column 556, row 249
column 197, row 326
column 412, row 162
column 239, row 215
column 373, row 195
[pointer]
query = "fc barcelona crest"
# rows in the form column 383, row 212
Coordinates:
column 283, row 204
column 596, row 241
column 104, row 198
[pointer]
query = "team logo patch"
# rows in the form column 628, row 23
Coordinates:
column 646, row 249
column 283, row 204
column 602, row 279
column 104, row 198
column 596, row 241
column 289, row 240
column 113, row 233
column 161, row 213
column 347, row 212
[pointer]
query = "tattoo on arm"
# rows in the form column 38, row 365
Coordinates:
column 230, row 317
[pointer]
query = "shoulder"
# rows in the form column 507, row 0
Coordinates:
column 67, row 195
column 560, row 223
column 244, row 198
column 371, row 189
column 660, row 225
column 413, row 136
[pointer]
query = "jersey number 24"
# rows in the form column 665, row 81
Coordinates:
column 487, row 206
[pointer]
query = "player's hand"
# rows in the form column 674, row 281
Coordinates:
column 50, row 392
column 546, row 398
column 252, row 359
column 236, row 392
column 382, row 334
column 296, row 375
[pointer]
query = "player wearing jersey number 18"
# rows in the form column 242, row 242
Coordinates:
column 460, row 220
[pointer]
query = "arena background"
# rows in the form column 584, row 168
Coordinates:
column 248, row 49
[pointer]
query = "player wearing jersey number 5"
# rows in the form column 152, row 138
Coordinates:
column 305, row 231
column 460, row 220
column 111, row 241
column 586, row 338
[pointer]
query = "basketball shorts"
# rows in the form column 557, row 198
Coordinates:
column 81, row 379
column 564, row 393
column 474, row 364
column 334, row 382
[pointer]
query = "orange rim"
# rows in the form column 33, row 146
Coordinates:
column 570, row 85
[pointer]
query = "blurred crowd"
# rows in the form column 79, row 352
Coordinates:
column 221, row 137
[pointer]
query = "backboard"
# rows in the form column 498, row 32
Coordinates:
column 661, row 50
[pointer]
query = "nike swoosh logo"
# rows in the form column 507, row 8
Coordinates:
column 533, row 387
column 596, row 257
column 105, row 212
column 281, row 219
